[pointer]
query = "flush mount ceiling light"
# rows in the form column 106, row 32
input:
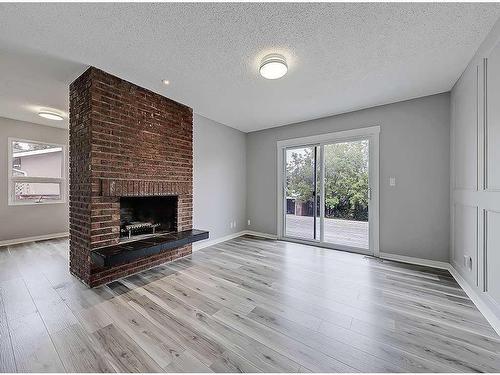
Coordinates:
column 165, row 82
column 50, row 115
column 273, row 66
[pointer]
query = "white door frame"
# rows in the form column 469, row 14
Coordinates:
column 372, row 134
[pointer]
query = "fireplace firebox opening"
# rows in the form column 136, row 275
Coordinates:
column 146, row 216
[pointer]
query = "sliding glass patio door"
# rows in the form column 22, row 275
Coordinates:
column 327, row 193
column 301, row 214
column 346, row 200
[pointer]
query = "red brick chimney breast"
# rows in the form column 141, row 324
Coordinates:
column 124, row 140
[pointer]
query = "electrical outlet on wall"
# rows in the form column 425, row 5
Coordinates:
column 392, row 181
column 248, row 222
column 468, row 262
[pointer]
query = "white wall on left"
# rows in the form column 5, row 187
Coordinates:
column 219, row 186
column 28, row 221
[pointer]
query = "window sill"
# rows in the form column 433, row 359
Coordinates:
column 32, row 203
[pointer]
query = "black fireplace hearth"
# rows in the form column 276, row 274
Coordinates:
column 110, row 256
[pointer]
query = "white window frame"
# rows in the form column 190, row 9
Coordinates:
column 371, row 133
column 11, row 180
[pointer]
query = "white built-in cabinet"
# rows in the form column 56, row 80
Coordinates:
column 475, row 165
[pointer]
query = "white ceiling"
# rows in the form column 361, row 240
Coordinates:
column 341, row 57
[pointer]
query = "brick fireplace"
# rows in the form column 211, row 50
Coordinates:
column 125, row 141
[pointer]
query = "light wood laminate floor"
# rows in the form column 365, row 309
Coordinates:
column 248, row 305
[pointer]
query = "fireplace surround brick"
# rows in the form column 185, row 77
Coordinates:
column 124, row 141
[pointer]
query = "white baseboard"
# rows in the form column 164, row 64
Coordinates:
column 261, row 234
column 417, row 261
column 202, row 244
column 16, row 241
column 206, row 243
column 486, row 309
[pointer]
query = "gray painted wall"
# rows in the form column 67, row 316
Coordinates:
column 30, row 220
column 475, row 174
column 219, row 178
column 414, row 147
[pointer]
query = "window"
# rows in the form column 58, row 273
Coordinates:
column 36, row 172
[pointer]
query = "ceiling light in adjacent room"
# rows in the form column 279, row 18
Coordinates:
column 165, row 82
column 50, row 115
column 273, row 66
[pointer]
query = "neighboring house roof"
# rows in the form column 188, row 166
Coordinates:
column 19, row 172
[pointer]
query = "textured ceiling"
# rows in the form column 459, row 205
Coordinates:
column 341, row 56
